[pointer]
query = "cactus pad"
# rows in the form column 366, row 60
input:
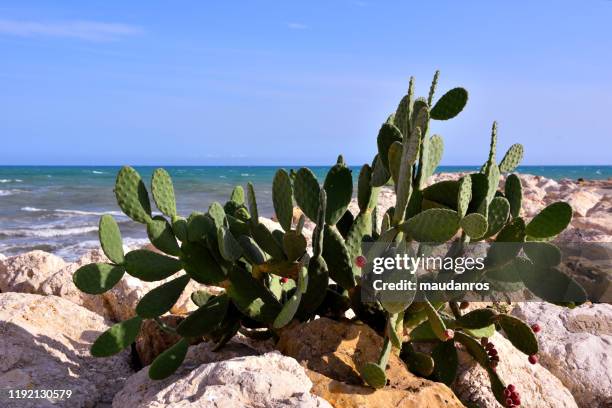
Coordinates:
column 450, row 104
column 132, row 195
column 206, row 318
column 161, row 236
column 167, row 362
column 514, row 193
column 511, row 160
column 110, row 239
column 433, row 225
column 163, row 192
column 150, row 266
column 387, row 134
column 338, row 186
column 550, row 221
column 117, row 338
column 306, row 190
column 161, row 299
column 97, row 278
column 282, row 198
column 520, row 334
column 337, row 257
column 474, row 225
column 464, row 195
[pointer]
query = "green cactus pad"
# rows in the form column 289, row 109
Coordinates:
column 552, row 285
column 169, row 361
column 117, row 338
column 435, row 321
column 97, row 278
column 200, row 297
column 161, row 299
column 161, row 236
column 251, row 251
column 306, row 190
column 450, row 104
column 337, row 257
column 480, row 186
column 499, row 210
column 199, row 226
column 550, row 221
column 374, row 375
column 435, row 150
column 318, row 280
column 443, row 192
column 520, row 334
column 418, row 363
column 237, row 195
column 294, row 245
column 150, row 266
column 543, row 253
column 508, row 243
column 446, row 362
column 263, row 237
column 282, row 198
column 217, row 213
column 493, row 180
column 380, row 174
column 229, row 248
column 290, row 308
column 338, row 186
column 110, row 239
column 253, row 210
column 464, row 195
column 163, row 192
column 200, row 264
column 401, row 119
column 132, row 195
column 206, row 318
column 367, row 195
column 403, row 187
column 514, row 193
column 180, row 228
column 433, row 225
column 395, row 160
column 477, row 319
column 387, row 135
column 362, row 226
column 511, row 160
column 474, row 225
column 251, row 297
column 420, row 115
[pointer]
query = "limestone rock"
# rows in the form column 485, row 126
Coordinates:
column 537, row 386
column 334, row 351
column 233, row 377
column 582, row 201
column 44, row 344
column 575, row 345
column 25, row 273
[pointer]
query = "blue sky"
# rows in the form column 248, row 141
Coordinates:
column 288, row 82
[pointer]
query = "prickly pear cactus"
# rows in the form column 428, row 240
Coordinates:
column 270, row 278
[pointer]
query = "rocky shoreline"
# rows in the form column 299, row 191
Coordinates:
column 47, row 326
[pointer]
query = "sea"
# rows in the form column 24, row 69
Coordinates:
column 57, row 208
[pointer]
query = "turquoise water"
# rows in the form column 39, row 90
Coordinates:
column 57, row 208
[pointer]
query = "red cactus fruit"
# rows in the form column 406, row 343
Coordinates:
column 533, row 359
column 361, row 261
column 536, row 328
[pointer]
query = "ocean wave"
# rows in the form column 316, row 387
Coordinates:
column 72, row 212
column 5, row 193
column 11, row 181
column 98, row 172
column 246, row 174
column 47, row 232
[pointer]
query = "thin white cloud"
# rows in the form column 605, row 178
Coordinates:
column 297, row 26
column 82, row 30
